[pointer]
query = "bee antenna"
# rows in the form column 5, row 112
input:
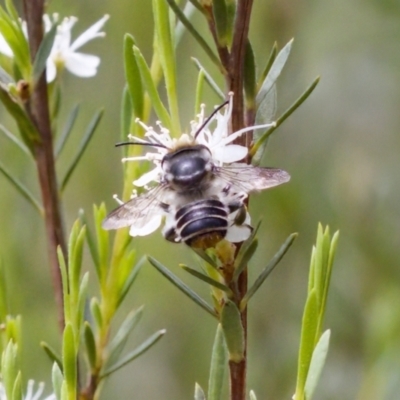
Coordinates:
column 140, row 144
column 210, row 118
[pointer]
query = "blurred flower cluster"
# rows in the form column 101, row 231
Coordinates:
column 64, row 52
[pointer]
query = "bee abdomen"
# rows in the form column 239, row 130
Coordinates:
column 203, row 223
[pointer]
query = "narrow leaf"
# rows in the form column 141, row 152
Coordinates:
column 233, row 331
column 15, row 140
column 130, row 279
column 90, row 239
column 199, row 392
column 52, row 354
column 90, row 344
column 209, row 260
column 218, row 366
column 118, row 342
column 28, row 132
column 197, row 36
column 249, row 76
column 245, row 258
column 22, row 189
column 197, row 5
column 151, row 89
column 220, row 19
column 307, row 340
column 258, row 144
column 82, row 147
column 135, row 353
column 207, row 279
column 180, row 30
column 69, row 361
column 43, row 53
column 17, row 388
column 96, row 313
column 182, row 286
column 9, row 368
column 209, row 79
column 267, row 270
column 102, row 236
column 166, row 53
column 67, row 129
column 132, row 75
column 268, row 66
column 317, row 364
column 274, row 72
column 126, row 114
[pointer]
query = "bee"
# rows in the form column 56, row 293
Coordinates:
column 201, row 199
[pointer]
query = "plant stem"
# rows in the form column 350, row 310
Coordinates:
column 38, row 109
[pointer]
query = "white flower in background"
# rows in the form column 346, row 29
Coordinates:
column 30, row 394
column 64, row 54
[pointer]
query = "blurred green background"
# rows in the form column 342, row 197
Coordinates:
column 342, row 151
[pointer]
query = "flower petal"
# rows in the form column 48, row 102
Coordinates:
column 90, row 33
column 83, row 65
column 51, row 70
column 238, row 233
column 230, row 153
column 147, row 228
column 147, row 177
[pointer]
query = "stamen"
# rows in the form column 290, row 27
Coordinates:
column 117, row 199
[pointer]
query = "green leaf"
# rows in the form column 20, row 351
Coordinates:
column 9, row 369
column 5, row 78
column 267, row 270
column 268, row 66
column 220, row 19
column 307, row 341
column 213, row 85
column 181, row 286
column 131, row 277
column 75, row 260
column 197, row 36
column 17, row 388
column 199, row 92
column 126, row 114
column 218, row 366
column 57, row 380
column 22, row 189
column 29, row 133
column 241, row 264
column 118, row 342
column 132, row 75
column 12, row 11
column 15, row 140
column 82, row 146
column 207, row 279
column 166, row 53
column 203, row 254
column 180, row 30
column 317, row 364
column 52, row 354
column 43, row 53
column 102, row 236
column 69, row 124
column 197, row 5
column 249, row 76
column 199, row 392
column 3, row 294
column 233, row 331
column 274, row 72
column 151, row 89
column 81, row 304
column 69, row 361
column 135, row 353
column 90, row 344
column 65, row 284
column 96, row 313
column 260, row 141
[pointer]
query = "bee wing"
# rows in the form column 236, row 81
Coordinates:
column 138, row 211
column 247, row 178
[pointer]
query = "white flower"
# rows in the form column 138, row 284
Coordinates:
column 63, row 54
column 30, row 395
column 222, row 152
column 218, row 141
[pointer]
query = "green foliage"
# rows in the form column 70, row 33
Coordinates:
column 314, row 345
